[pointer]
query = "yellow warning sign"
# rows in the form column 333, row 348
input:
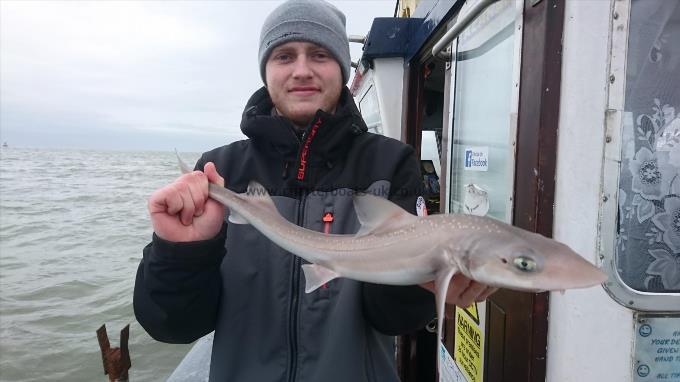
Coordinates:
column 473, row 312
column 468, row 348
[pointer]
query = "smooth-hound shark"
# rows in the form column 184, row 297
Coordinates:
column 394, row 247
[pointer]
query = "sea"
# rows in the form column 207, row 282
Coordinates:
column 72, row 227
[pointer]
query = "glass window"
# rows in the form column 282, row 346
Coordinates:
column 648, row 236
column 482, row 153
column 370, row 110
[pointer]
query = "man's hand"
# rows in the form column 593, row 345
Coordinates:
column 463, row 291
column 182, row 211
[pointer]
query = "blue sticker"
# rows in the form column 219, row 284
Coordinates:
column 643, row 370
column 476, row 159
column 645, row 330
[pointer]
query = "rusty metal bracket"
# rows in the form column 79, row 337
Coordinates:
column 116, row 360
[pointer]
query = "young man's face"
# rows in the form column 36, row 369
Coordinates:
column 303, row 77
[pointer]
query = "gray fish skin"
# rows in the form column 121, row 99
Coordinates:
column 394, row 247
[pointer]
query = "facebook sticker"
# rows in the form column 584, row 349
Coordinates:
column 477, row 159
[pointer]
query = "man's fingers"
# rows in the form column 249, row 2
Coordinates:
column 459, row 283
column 471, row 294
column 213, row 176
column 429, row 286
column 166, row 200
column 198, row 188
column 173, row 203
column 463, row 291
column 182, row 211
column 484, row 295
column 186, row 215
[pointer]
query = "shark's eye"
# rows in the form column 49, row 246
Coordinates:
column 524, row 263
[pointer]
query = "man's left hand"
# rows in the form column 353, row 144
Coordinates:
column 463, row 291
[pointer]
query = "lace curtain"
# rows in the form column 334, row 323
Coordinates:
column 648, row 240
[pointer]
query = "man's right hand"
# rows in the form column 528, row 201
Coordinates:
column 182, row 211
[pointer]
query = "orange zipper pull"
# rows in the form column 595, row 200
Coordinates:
column 327, row 220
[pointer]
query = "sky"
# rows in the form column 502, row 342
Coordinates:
column 136, row 75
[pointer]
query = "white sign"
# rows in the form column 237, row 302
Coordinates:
column 476, row 159
column 657, row 348
column 448, row 371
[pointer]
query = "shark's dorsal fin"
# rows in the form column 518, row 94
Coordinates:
column 378, row 215
column 257, row 194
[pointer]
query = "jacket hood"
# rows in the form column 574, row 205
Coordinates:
column 326, row 137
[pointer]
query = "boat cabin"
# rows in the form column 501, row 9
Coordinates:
column 562, row 118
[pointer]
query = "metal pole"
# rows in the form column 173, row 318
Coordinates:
column 460, row 25
column 357, row 38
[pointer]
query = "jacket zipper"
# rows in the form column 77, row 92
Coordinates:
column 297, row 261
column 295, row 298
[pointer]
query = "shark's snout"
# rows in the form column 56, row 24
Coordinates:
column 533, row 263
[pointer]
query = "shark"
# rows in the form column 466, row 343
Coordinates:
column 394, row 247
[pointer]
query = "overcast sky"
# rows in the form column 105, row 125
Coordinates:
column 136, row 74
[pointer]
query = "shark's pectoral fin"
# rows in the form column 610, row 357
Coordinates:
column 441, row 286
column 378, row 215
column 316, row 276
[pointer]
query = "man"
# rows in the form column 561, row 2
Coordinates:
column 309, row 147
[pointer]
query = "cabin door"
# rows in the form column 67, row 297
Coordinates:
column 478, row 121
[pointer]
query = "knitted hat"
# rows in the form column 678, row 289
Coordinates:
column 314, row 21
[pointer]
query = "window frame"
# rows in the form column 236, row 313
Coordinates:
column 377, row 129
column 617, row 289
column 452, row 74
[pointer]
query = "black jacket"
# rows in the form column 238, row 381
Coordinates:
column 251, row 292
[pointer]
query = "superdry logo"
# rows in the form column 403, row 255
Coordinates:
column 305, row 150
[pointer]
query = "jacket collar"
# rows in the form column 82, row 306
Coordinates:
column 325, row 139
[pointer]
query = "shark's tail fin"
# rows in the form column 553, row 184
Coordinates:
column 182, row 165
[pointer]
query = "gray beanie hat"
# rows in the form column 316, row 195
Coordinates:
column 314, row 21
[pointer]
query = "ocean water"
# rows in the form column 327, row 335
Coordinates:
column 72, row 227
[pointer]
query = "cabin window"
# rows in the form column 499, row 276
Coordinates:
column 648, row 223
column 370, row 111
column 483, row 131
